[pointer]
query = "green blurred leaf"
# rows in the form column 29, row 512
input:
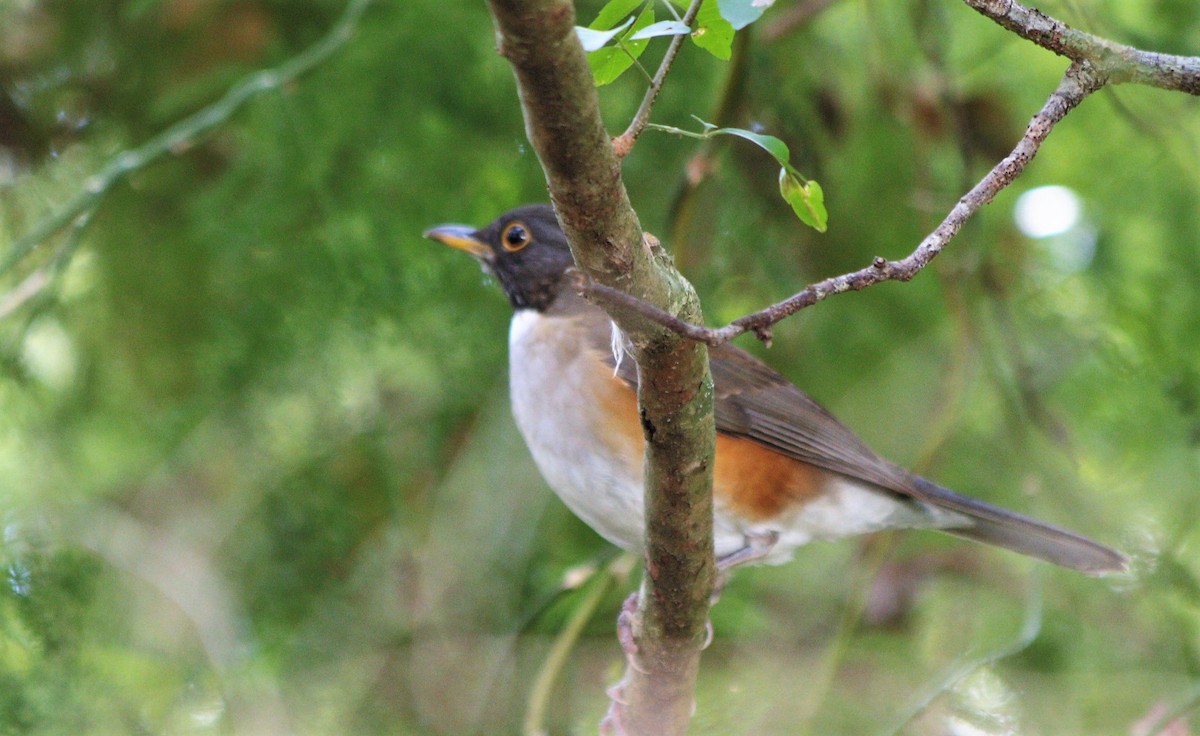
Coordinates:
column 611, row 62
column 741, row 13
column 807, row 199
column 613, row 12
column 713, row 33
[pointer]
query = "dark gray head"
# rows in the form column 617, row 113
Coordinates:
column 524, row 248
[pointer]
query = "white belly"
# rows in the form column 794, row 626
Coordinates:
column 559, row 420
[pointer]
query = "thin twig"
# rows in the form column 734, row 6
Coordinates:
column 682, row 209
column 617, row 298
column 623, row 143
column 1079, row 81
column 41, row 277
column 1118, row 62
column 183, row 134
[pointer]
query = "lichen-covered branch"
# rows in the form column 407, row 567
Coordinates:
column 1115, row 62
column 562, row 121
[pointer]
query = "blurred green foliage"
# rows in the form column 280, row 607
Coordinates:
column 257, row 473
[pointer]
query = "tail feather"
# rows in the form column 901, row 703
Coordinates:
column 1012, row 531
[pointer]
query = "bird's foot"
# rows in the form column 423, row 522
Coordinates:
column 627, row 622
column 613, row 723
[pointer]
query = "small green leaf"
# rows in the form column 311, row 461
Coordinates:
column 769, row 143
column 594, row 40
column 662, row 28
column 713, row 33
column 610, row 62
column 804, row 196
column 806, row 199
column 741, row 13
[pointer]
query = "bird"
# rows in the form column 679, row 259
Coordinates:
column 786, row 472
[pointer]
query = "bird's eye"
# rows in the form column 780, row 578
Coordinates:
column 515, row 237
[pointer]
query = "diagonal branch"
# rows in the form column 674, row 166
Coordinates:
column 623, row 143
column 1117, row 62
column 1079, row 81
column 182, row 134
column 44, row 275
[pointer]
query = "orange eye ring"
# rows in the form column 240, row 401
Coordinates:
column 515, row 236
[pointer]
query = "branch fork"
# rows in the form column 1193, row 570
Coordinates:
column 1080, row 80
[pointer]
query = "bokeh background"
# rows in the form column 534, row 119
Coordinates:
column 257, row 471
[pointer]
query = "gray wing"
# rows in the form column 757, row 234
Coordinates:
column 754, row 401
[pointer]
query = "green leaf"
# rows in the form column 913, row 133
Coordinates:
column 769, row 143
column 593, row 40
column 613, row 13
column 741, row 13
column 662, row 28
column 610, row 62
column 713, row 33
column 806, row 199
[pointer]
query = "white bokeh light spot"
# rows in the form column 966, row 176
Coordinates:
column 1047, row 211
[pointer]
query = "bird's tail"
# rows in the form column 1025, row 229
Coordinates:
column 1012, row 531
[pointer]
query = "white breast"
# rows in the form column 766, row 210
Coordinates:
column 556, row 404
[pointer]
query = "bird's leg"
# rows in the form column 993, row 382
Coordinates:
column 758, row 545
column 613, row 723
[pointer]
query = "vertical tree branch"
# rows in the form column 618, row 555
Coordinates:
column 562, row 120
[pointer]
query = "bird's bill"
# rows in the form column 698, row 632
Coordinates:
column 460, row 237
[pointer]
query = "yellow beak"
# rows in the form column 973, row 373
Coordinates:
column 460, row 237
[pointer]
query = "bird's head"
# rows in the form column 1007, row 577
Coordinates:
column 524, row 249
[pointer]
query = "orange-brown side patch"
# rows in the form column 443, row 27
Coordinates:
column 753, row 481
column 618, row 404
column 757, row 483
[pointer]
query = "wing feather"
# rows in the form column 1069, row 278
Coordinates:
column 756, row 402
